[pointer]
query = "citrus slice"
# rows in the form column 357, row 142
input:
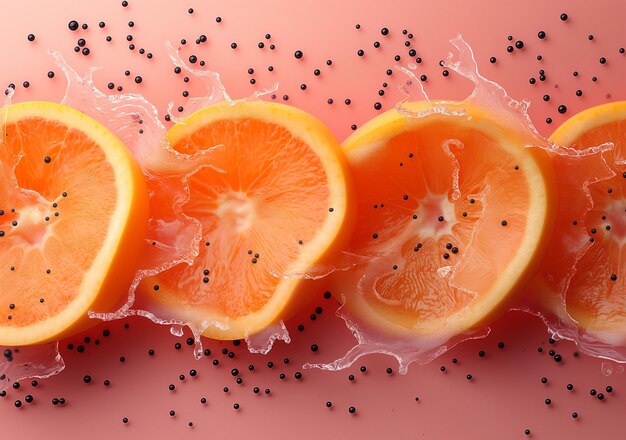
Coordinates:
column 73, row 217
column 280, row 205
column 455, row 211
column 596, row 295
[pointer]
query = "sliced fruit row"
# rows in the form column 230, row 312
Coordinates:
column 447, row 218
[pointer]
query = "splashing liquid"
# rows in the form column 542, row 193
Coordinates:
column 409, row 341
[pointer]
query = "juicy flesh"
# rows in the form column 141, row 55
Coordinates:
column 49, row 240
column 272, row 195
column 597, row 292
column 438, row 241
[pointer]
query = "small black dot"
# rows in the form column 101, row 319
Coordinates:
column 564, row 17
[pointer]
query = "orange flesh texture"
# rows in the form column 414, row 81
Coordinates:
column 596, row 297
column 57, row 213
column 405, row 200
column 257, row 217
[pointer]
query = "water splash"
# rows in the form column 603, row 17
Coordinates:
column 34, row 361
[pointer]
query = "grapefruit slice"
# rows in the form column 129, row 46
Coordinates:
column 281, row 205
column 596, row 295
column 454, row 211
column 73, row 217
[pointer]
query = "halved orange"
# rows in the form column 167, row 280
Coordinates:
column 596, row 295
column 280, row 206
column 454, row 211
column 73, row 217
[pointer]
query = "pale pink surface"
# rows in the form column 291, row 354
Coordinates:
column 506, row 395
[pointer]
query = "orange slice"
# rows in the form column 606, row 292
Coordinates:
column 596, row 296
column 281, row 205
column 454, row 211
column 73, row 217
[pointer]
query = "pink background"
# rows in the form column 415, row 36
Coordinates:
column 505, row 396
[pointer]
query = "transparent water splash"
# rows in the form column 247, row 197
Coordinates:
column 609, row 368
column 263, row 341
column 35, row 361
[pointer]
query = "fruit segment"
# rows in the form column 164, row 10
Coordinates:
column 454, row 212
column 72, row 221
column 595, row 294
column 275, row 203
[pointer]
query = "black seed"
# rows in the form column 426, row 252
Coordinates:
column 564, row 17
column 541, row 35
column 352, row 410
column 298, row 54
